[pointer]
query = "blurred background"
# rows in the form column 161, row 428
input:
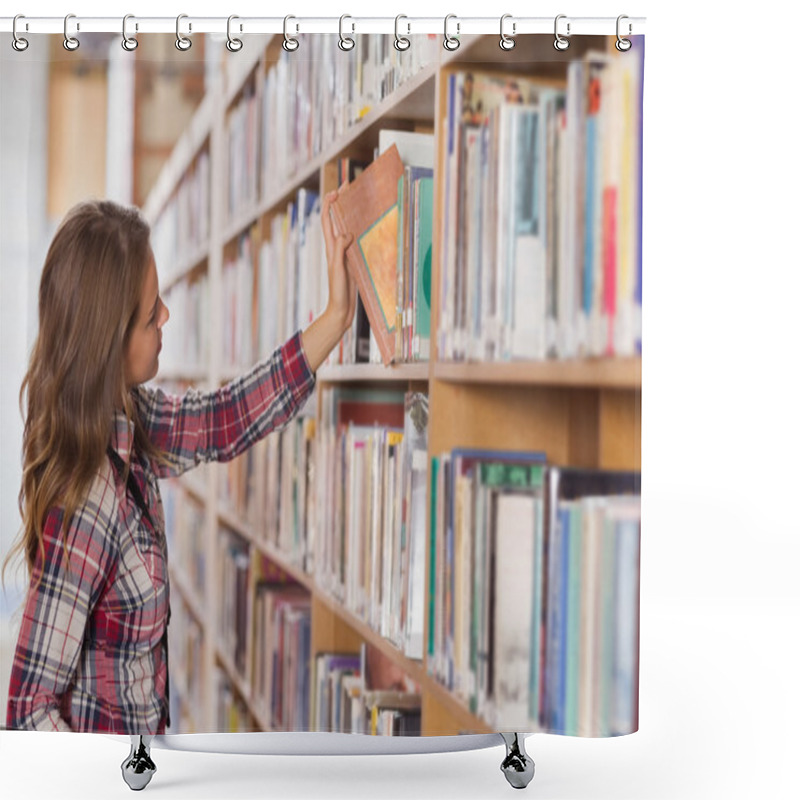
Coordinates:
column 97, row 122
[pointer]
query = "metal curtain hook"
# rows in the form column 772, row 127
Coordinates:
column 128, row 42
column 70, row 42
column 18, row 43
column 345, row 42
column 623, row 45
column 290, row 44
column 401, row 42
column 561, row 43
column 233, row 45
column 182, row 42
column 506, row 42
column 451, row 42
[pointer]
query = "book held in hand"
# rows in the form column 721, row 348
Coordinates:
column 367, row 208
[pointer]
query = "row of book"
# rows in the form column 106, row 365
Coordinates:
column 241, row 138
column 237, row 485
column 234, row 610
column 187, row 684
column 368, row 544
column 183, row 225
column 304, row 108
column 292, row 272
column 388, row 206
column 232, row 713
column 237, row 315
column 354, row 693
column 185, row 523
column 273, row 285
column 187, row 344
column 534, row 581
column 289, row 505
column 541, row 234
column 281, row 673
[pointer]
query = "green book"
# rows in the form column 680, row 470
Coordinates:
column 423, row 261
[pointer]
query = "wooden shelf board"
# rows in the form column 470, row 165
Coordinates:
column 242, row 689
column 374, row 372
column 622, row 373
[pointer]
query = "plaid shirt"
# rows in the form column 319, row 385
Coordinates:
column 90, row 652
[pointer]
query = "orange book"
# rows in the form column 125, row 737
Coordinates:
column 367, row 208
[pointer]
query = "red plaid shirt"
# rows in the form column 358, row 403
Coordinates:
column 89, row 655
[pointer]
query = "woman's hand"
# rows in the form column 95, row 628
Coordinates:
column 341, row 286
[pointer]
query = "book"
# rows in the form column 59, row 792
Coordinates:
column 367, row 208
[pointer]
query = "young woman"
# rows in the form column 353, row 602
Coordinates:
column 91, row 652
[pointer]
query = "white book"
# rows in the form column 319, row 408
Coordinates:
column 526, row 292
column 415, row 149
column 514, row 561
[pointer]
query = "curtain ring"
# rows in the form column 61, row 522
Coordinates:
column 401, row 42
column 183, row 43
column 623, row 45
column 70, row 42
column 18, row 43
column 233, row 45
column 290, row 44
column 506, row 42
column 345, row 42
column 129, row 43
column 451, row 43
column 561, row 43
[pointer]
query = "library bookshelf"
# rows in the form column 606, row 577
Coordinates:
column 582, row 412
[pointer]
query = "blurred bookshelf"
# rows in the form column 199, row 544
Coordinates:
column 235, row 215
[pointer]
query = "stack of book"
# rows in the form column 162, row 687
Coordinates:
column 233, row 716
column 186, row 663
column 187, row 347
column 541, row 229
column 370, row 520
column 234, row 613
column 241, row 135
column 363, row 693
column 292, row 273
column 237, row 485
column 185, row 521
column 304, row 108
column 534, row 580
column 183, row 225
column 388, row 208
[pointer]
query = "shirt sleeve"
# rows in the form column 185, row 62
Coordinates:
column 219, row 425
column 61, row 595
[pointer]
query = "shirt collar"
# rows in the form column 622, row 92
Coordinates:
column 122, row 435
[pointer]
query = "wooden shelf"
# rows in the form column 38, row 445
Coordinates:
column 616, row 373
column 411, row 667
column 242, row 689
column 185, row 150
column 373, row 372
column 583, row 412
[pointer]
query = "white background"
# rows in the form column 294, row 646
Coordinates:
column 720, row 552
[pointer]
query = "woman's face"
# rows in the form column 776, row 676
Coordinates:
column 141, row 355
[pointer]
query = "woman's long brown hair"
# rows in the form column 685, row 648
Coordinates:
column 88, row 302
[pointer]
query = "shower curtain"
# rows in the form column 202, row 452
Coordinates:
column 445, row 537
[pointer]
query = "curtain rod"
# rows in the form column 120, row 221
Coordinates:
column 453, row 25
